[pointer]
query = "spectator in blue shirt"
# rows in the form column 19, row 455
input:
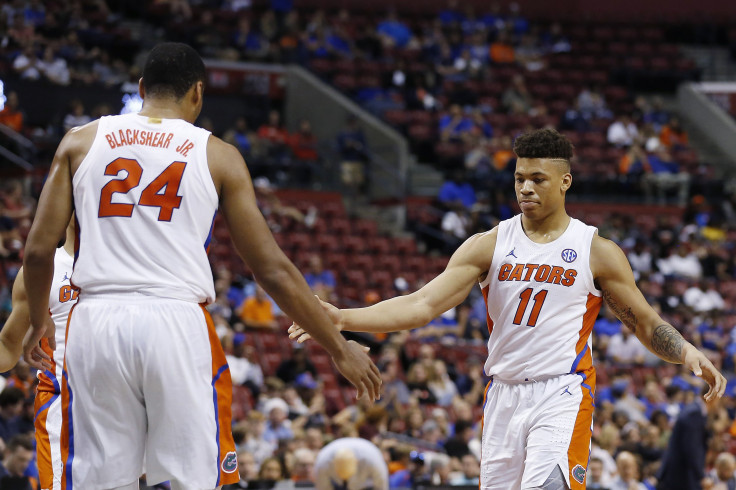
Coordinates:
column 455, row 125
column 320, row 280
column 665, row 174
column 457, row 192
column 393, row 32
column 278, row 426
column 607, row 325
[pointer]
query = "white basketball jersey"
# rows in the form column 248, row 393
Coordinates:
column 145, row 205
column 541, row 303
column 61, row 299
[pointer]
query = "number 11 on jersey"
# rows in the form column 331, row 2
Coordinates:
column 525, row 296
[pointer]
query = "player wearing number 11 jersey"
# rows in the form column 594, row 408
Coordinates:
column 144, row 375
column 544, row 276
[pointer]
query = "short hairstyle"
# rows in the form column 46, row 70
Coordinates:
column 171, row 69
column 543, row 143
column 11, row 396
column 22, row 440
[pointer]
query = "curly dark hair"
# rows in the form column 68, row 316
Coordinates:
column 543, row 143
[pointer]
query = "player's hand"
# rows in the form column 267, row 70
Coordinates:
column 297, row 333
column 703, row 368
column 357, row 367
column 32, row 352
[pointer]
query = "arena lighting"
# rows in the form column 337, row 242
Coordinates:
column 131, row 103
column 2, row 95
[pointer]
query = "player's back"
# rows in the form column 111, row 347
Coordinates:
column 542, row 302
column 145, row 206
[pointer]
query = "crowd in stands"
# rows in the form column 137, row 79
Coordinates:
column 460, row 84
column 289, row 402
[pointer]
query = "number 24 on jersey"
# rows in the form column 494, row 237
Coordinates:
column 167, row 201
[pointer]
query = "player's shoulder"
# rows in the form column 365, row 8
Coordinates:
column 478, row 248
column 606, row 256
column 220, row 150
column 80, row 138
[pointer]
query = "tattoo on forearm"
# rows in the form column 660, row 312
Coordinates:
column 623, row 313
column 668, row 343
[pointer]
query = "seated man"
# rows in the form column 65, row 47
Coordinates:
column 257, row 311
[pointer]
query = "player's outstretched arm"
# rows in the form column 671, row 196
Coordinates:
column 467, row 265
column 275, row 272
column 614, row 277
column 52, row 217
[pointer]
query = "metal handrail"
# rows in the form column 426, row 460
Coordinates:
column 15, row 159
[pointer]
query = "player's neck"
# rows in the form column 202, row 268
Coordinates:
column 159, row 108
column 548, row 228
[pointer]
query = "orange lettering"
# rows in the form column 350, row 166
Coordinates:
column 530, row 268
column 516, row 273
column 147, row 142
column 111, row 141
column 67, row 293
column 556, row 275
column 570, row 276
column 542, row 273
column 122, row 137
column 503, row 272
column 168, row 140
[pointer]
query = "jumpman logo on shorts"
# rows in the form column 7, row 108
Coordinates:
column 567, row 390
column 512, row 253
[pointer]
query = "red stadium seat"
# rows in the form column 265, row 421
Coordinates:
column 380, row 245
column 388, row 263
column 421, row 132
column 365, row 228
column 353, row 245
column 404, row 246
column 339, row 226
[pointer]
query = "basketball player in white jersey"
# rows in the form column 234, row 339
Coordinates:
column 544, row 276
column 49, row 355
column 144, row 375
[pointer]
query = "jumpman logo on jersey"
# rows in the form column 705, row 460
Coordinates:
column 512, row 253
column 66, row 277
column 339, row 485
column 567, row 390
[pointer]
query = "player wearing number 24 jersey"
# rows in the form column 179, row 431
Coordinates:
column 145, row 380
column 544, row 276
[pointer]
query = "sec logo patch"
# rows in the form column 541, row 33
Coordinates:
column 569, row 255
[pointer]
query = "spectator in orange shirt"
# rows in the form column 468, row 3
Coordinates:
column 257, row 311
column 673, row 136
column 11, row 115
column 501, row 51
column 503, row 155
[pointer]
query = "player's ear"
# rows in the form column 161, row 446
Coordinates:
column 566, row 182
column 198, row 91
column 141, row 90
